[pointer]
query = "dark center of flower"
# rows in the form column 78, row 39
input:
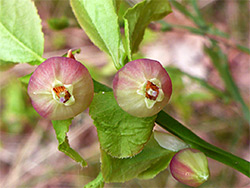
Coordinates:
column 152, row 91
column 62, row 93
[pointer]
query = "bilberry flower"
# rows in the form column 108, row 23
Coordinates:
column 60, row 88
column 142, row 87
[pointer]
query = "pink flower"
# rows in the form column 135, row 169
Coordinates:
column 60, row 88
column 142, row 87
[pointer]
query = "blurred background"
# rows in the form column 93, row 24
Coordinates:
column 200, row 52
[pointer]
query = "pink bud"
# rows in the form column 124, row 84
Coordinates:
column 142, row 87
column 60, row 88
column 190, row 167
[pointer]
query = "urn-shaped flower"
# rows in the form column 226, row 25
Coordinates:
column 60, row 88
column 142, row 87
column 190, row 167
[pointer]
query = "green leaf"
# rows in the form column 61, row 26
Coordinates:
column 58, row 23
column 99, row 20
column 243, row 49
column 120, row 134
column 96, row 183
column 175, row 71
column 20, row 32
column 25, row 79
column 211, row 30
column 156, row 168
column 206, row 30
column 165, row 26
column 98, row 87
column 117, row 5
column 136, row 20
column 5, row 65
column 146, row 164
column 220, row 61
column 173, row 126
column 124, row 5
column 182, row 9
column 61, row 128
column 197, row 19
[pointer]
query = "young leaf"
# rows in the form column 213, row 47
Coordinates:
column 144, row 165
column 99, row 20
column 136, row 20
column 20, row 32
column 120, row 134
column 61, row 128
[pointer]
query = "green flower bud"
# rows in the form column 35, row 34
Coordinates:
column 190, row 167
